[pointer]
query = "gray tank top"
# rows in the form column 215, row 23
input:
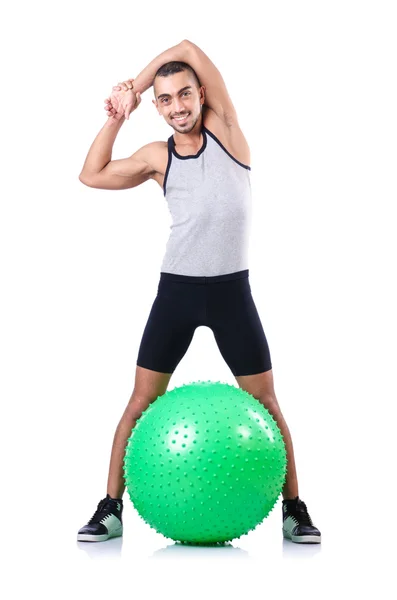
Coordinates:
column 209, row 198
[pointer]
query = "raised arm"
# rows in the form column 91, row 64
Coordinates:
column 144, row 80
column 99, row 170
column 124, row 173
column 216, row 94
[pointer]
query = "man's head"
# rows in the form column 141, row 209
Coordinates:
column 178, row 92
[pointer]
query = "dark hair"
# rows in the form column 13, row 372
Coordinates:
column 175, row 67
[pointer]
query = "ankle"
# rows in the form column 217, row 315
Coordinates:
column 115, row 497
column 289, row 498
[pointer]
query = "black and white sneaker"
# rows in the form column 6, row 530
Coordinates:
column 105, row 523
column 297, row 524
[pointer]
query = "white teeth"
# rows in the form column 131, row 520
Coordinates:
column 181, row 118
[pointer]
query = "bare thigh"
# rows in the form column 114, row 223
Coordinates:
column 149, row 385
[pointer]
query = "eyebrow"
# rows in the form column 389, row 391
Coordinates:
column 187, row 87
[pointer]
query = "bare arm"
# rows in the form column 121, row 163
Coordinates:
column 145, row 79
column 99, row 171
column 124, row 173
column 216, row 95
column 100, row 152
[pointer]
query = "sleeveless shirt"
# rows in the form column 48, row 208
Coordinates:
column 209, row 198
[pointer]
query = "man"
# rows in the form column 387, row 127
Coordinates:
column 203, row 170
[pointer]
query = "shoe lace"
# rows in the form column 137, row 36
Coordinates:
column 302, row 513
column 102, row 509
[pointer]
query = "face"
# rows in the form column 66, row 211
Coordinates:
column 178, row 96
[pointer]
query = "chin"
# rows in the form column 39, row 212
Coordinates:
column 183, row 129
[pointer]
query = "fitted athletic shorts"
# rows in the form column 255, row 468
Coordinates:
column 223, row 303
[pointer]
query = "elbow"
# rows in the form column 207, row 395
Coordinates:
column 83, row 179
column 186, row 44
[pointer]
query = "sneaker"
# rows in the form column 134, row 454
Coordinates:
column 297, row 524
column 105, row 523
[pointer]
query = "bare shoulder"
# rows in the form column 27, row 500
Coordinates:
column 156, row 155
column 229, row 134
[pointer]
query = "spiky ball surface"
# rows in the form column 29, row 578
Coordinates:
column 205, row 463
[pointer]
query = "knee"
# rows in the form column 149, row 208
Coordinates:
column 137, row 405
column 270, row 402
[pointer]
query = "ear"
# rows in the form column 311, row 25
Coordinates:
column 202, row 94
column 155, row 104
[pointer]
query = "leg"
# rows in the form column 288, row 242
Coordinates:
column 148, row 386
column 106, row 522
column 165, row 340
column 261, row 386
column 239, row 334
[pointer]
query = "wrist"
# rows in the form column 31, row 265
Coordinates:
column 115, row 123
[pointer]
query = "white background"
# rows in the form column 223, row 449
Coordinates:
column 315, row 89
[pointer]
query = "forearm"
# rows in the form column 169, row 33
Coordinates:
column 100, row 152
column 144, row 80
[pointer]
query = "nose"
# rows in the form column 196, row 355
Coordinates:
column 178, row 105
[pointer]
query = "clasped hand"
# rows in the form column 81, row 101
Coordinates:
column 122, row 101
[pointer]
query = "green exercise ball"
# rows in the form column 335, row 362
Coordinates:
column 205, row 463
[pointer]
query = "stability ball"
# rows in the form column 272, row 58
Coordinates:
column 205, row 463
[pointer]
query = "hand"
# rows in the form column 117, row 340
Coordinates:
column 122, row 101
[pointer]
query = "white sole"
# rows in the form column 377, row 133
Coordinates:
column 302, row 539
column 87, row 537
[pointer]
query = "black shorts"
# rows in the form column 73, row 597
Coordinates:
column 223, row 303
